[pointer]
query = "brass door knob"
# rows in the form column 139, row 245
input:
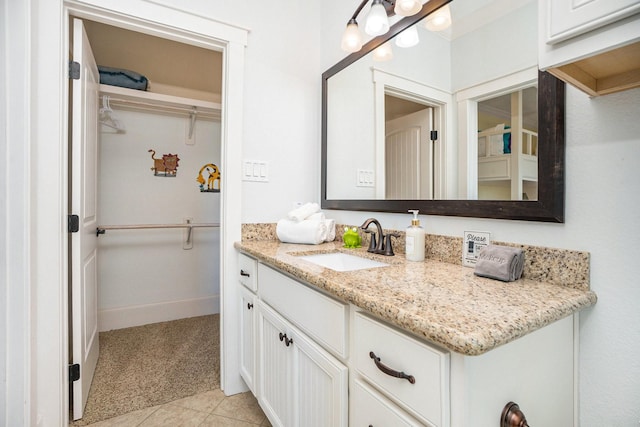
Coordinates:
column 512, row 416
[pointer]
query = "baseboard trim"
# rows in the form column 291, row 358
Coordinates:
column 137, row 315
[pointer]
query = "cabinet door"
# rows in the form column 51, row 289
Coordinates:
column 247, row 338
column 570, row 18
column 274, row 367
column 320, row 386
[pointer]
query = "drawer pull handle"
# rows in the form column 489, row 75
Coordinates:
column 244, row 273
column 287, row 341
column 390, row 371
column 249, row 306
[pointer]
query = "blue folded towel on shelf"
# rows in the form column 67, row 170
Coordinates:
column 122, row 78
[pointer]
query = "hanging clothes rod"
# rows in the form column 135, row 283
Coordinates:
column 103, row 228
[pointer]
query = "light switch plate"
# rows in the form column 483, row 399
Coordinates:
column 365, row 178
column 472, row 243
column 255, row 170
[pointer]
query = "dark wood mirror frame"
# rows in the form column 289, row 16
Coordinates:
column 551, row 152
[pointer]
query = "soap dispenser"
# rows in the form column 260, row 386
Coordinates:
column 414, row 239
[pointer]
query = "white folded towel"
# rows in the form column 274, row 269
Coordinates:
column 306, row 232
column 331, row 230
column 303, row 212
column 318, row 216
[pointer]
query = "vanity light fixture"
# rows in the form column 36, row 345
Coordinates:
column 377, row 23
column 439, row 20
column 383, row 52
column 408, row 37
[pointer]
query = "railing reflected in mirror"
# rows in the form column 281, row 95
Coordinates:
column 361, row 99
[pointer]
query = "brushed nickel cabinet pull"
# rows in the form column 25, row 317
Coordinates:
column 389, row 371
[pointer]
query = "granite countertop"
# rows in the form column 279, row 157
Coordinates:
column 441, row 302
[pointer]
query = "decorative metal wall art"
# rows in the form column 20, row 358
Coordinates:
column 167, row 166
column 208, row 185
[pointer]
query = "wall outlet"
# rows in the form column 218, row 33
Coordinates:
column 472, row 243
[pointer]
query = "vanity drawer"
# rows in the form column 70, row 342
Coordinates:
column 322, row 318
column 428, row 397
column 248, row 272
column 369, row 408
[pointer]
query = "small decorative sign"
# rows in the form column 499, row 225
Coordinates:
column 167, row 166
column 474, row 241
column 208, row 185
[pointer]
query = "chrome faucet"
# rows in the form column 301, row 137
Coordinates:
column 383, row 246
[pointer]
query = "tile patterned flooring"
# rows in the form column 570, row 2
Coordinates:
column 208, row 409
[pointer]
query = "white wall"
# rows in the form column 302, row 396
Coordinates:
column 282, row 98
column 602, row 217
column 146, row 276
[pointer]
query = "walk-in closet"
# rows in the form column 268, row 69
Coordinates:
column 151, row 188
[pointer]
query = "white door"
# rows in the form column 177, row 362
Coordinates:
column 409, row 156
column 84, row 149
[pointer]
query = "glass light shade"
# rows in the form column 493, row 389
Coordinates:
column 408, row 37
column 351, row 39
column 407, row 7
column 377, row 22
column 383, row 52
column 439, row 20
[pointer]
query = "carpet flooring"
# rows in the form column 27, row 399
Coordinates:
column 153, row 364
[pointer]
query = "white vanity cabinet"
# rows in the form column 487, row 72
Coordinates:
column 300, row 383
column 454, row 390
column 247, row 276
column 320, row 362
column 594, row 45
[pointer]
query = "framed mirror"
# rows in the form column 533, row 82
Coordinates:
column 357, row 93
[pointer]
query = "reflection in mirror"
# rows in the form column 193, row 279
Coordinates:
column 508, row 146
column 489, row 52
column 408, row 152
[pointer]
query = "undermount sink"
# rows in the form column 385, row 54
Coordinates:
column 340, row 261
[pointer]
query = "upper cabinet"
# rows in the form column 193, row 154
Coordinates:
column 591, row 44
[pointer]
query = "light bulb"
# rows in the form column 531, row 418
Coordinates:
column 377, row 22
column 383, row 52
column 408, row 37
column 407, row 7
column 351, row 39
column 439, row 20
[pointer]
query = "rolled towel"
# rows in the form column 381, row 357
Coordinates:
column 318, row 216
column 306, row 232
column 500, row 262
column 303, row 212
column 331, row 230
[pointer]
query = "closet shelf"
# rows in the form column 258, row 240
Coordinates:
column 159, row 102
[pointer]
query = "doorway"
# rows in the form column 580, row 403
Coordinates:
column 188, row 136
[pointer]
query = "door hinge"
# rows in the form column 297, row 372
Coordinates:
column 434, row 135
column 74, row 70
column 74, row 372
column 73, row 223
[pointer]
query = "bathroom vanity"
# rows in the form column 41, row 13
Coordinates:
column 407, row 343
